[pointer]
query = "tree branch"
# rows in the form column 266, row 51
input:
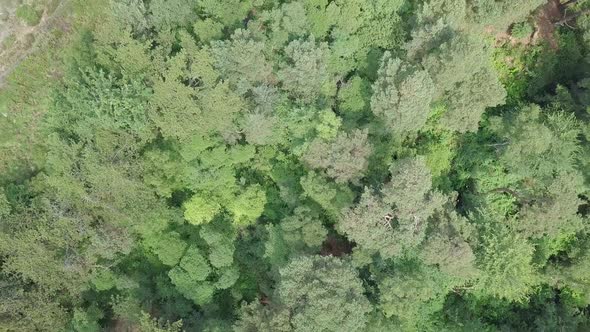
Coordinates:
column 511, row 192
column 568, row 3
column 571, row 17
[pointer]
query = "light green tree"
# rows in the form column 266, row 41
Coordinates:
column 344, row 159
column 199, row 210
column 448, row 246
column 402, row 95
column 500, row 14
column 229, row 12
column 354, row 95
column 208, row 29
column 506, row 262
column 461, row 70
column 332, row 197
column 169, row 247
column 189, row 277
column 261, row 129
column 242, row 61
column 304, row 74
column 169, row 14
column 396, row 218
column 219, row 239
column 411, row 293
column 300, row 233
column 558, row 212
column 248, row 205
column 314, row 293
column 538, row 145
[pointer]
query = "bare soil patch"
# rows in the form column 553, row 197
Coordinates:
column 17, row 40
column 545, row 21
column 551, row 12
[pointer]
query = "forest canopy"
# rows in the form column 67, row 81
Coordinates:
column 295, row 165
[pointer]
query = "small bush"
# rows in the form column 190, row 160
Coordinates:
column 28, row 15
column 521, row 30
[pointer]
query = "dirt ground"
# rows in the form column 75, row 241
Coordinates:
column 544, row 22
column 17, row 40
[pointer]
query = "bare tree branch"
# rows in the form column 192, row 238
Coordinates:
column 568, row 3
column 565, row 20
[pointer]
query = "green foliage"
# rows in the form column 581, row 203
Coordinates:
column 241, row 60
column 300, row 233
column 304, row 74
column 440, row 152
column 248, row 205
column 559, row 215
column 412, row 294
column 304, row 227
column 344, row 159
column 320, row 293
column 466, row 94
column 500, row 14
column 228, row 13
column 169, row 14
column 103, row 280
column 544, row 144
column 511, row 68
column 448, row 246
column 303, row 165
column 506, row 262
column 208, row 29
column 220, row 244
column 521, row 30
column 260, row 129
column 395, row 219
column 256, row 317
column 200, row 210
column 354, row 95
column 4, row 204
column 329, row 124
column 189, row 277
column 572, row 276
column 167, row 246
column 402, row 95
column 332, row 289
column 86, row 321
column 149, row 324
column 331, row 197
